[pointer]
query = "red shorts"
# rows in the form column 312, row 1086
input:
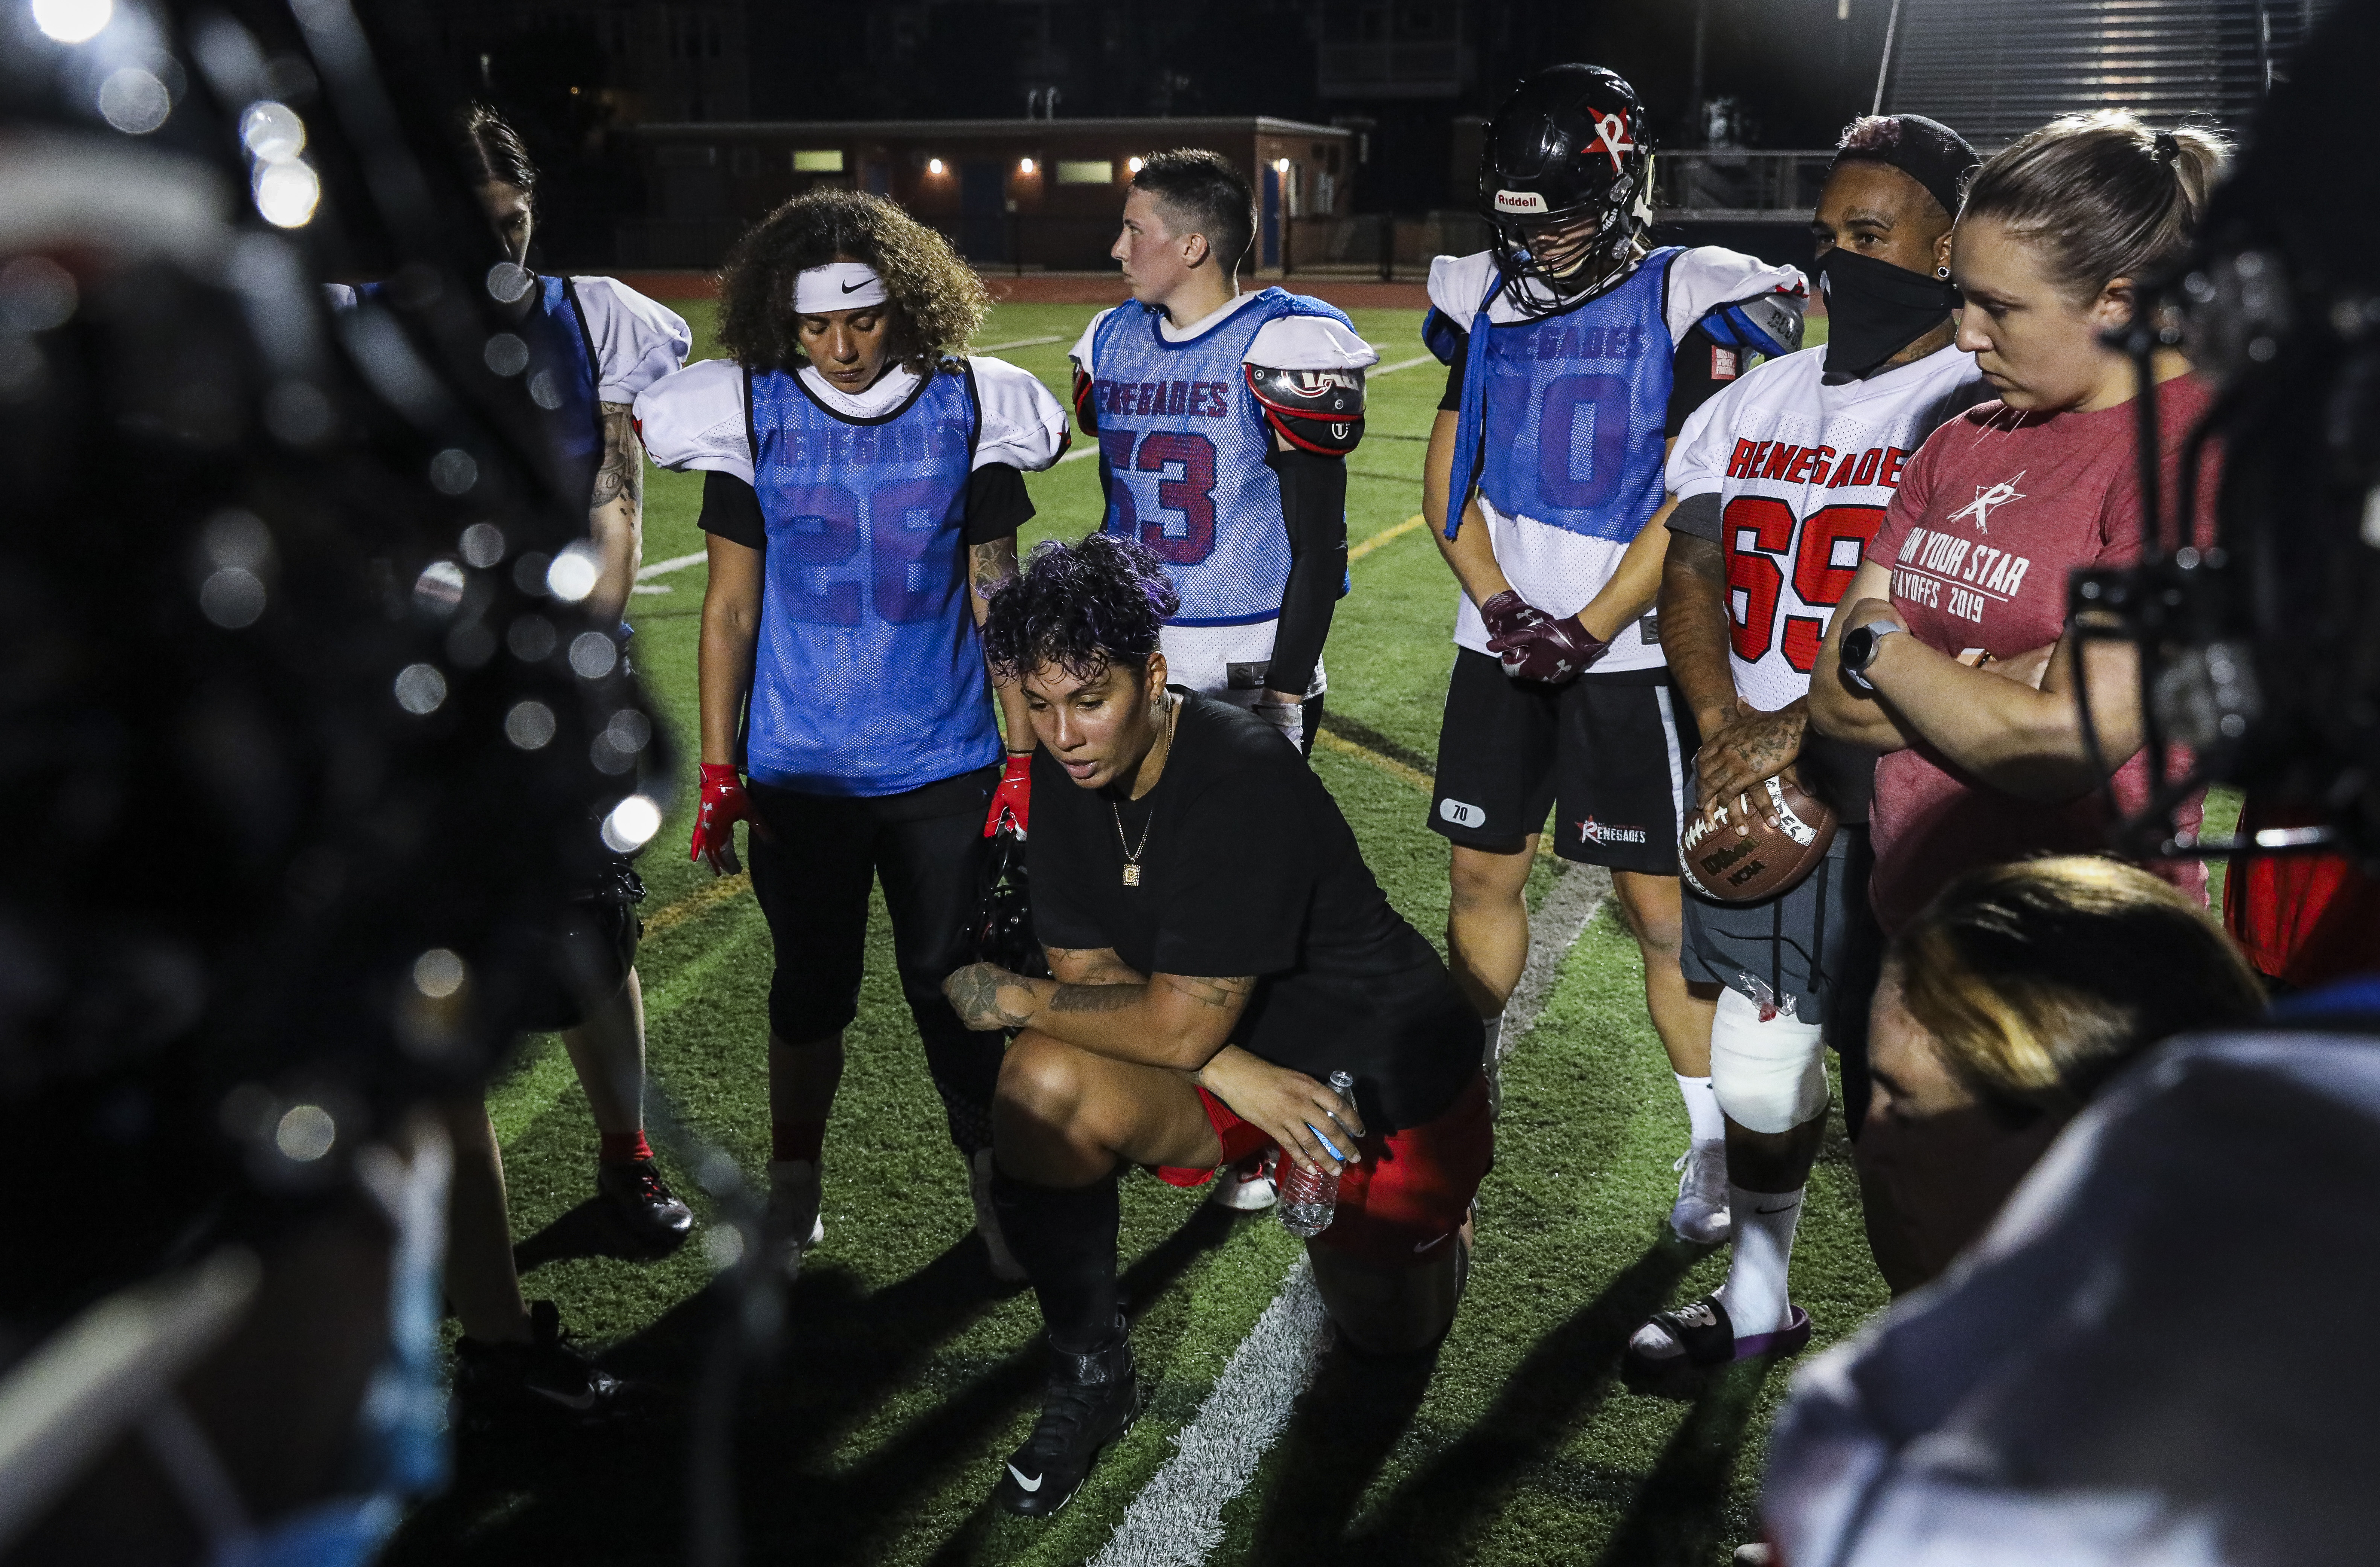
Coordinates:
column 1412, row 1190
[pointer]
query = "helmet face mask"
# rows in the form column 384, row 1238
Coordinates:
column 1566, row 179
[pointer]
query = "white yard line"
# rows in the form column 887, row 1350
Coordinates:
column 1401, row 364
column 675, row 562
column 1019, row 342
column 1178, row 1517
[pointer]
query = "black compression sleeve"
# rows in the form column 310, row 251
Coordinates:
column 1700, row 369
column 997, row 504
column 1452, row 400
column 1314, row 508
column 731, row 509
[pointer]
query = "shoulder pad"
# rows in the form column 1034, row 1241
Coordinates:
column 1768, row 323
column 1441, row 335
column 1457, row 285
column 1321, row 410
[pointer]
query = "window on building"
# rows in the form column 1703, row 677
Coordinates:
column 821, row 160
column 1087, row 171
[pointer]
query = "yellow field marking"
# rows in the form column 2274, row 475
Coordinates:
column 1385, row 536
column 701, row 901
column 1365, row 754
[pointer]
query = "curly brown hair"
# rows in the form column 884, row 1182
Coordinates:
column 938, row 301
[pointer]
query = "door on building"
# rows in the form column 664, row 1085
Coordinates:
column 1268, row 228
column 983, row 212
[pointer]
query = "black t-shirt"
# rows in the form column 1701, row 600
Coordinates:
column 1248, row 867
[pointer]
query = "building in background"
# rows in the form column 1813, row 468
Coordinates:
column 1021, row 194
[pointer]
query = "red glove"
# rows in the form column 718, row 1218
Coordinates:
column 1015, row 794
column 1536, row 646
column 723, row 805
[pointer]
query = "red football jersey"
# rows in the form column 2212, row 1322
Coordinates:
column 2306, row 920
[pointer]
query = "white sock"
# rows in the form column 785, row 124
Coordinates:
column 1493, row 1028
column 1755, row 1291
column 1702, row 1109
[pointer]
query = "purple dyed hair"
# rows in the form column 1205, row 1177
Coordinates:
column 1080, row 606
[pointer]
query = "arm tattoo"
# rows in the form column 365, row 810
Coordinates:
column 1091, row 966
column 1097, row 998
column 990, row 566
column 974, row 993
column 1230, row 994
column 621, row 475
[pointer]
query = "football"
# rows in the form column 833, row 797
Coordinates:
column 1757, row 845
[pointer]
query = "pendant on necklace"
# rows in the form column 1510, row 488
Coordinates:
column 1132, row 876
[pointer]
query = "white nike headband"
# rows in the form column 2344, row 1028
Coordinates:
column 838, row 286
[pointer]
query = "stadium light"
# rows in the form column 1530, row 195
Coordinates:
column 1024, row 166
column 1132, row 163
column 933, row 165
column 1280, row 166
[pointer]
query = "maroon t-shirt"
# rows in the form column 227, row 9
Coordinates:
column 1995, row 513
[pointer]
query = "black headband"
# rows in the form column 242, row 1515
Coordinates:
column 1925, row 150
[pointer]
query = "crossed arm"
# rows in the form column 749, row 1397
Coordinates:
column 2015, row 726
column 1099, row 1004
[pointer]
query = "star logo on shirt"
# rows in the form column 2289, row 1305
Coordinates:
column 1988, row 497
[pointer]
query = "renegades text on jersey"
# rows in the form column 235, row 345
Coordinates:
column 1802, row 470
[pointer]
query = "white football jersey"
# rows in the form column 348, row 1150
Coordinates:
column 1553, row 569
column 1802, row 471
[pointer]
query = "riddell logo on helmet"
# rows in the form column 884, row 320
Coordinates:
column 1519, row 201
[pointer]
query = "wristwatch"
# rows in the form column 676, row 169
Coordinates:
column 1860, row 645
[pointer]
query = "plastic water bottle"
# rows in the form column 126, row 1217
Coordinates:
column 1309, row 1197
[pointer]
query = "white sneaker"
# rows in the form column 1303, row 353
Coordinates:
column 794, row 1223
column 1700, row 1214
column 1004, row 1266
column 1248, row 1186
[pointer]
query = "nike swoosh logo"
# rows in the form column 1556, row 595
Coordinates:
column 1426, row 1244
column 853, row 288
column 580, row 1401
column 1028, row 1486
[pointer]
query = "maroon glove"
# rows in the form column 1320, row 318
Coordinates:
column 1014, row 799
column 1536, row 646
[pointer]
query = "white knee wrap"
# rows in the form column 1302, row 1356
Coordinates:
column 1769, row 1077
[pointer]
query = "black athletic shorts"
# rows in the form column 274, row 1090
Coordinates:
column 1611, row 751
column 812, row 866
column 582, row 962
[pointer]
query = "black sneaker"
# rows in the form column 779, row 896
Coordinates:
column 1091, row 1400
column 544, row 1379
column 642, row 1203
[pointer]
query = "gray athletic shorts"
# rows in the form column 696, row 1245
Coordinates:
column 1813, row 951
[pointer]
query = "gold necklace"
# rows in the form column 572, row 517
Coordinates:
column 1131, row 852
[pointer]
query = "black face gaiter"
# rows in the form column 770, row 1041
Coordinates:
column 1874, row 309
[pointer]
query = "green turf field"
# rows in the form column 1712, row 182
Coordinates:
column 906, row 1374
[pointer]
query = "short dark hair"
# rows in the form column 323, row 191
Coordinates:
column 1203, row 192
column 1082, row 607
column 494, row 151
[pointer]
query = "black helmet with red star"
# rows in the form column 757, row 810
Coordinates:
column 1566, row 177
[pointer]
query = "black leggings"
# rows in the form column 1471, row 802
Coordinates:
column 811, row 874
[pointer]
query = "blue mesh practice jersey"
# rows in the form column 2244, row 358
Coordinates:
column 1182, row 446
column 869, row 678
column 562, row 382
column 1576, row 406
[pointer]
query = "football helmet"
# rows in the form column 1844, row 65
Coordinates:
column 1566, row 177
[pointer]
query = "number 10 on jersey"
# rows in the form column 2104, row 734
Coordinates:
column 1183, row 531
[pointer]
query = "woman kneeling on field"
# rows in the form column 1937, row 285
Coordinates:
column 1220, row 949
